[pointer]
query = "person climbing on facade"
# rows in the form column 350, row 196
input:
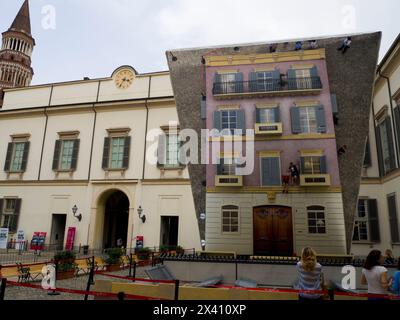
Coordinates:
column 345, row 45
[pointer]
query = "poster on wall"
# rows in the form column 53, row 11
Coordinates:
column 20, row 245
column 38, row 241
column 69, row 245
column 3, row 238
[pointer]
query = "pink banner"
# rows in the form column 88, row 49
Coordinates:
column 70, row 239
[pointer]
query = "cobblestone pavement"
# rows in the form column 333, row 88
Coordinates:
column 77, row 283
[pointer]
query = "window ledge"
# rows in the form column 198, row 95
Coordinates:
column 115, row 170
column 171, row 168
column 365, row 242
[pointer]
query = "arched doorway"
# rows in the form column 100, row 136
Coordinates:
column 273, row 231
column 116, row 219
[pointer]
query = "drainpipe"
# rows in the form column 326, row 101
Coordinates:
column 146, row 130
column 45, row 132
column 392, row 112
column 94, row 130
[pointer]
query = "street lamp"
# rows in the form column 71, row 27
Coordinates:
column 74, row 211
column 140, row 212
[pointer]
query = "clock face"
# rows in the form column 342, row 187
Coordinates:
column 124, row 79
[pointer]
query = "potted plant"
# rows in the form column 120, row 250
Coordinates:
column 179, row 250
column 164, row 249
column 66, row 265
column 143, row 253
column 113, row 260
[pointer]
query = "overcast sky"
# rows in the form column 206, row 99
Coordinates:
column 93, row 37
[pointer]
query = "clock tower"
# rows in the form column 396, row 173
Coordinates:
column 16, row 51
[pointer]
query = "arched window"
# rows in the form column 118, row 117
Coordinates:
column 230, row 219
column 316, row 220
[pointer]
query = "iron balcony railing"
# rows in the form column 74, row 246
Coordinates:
column 267, row 85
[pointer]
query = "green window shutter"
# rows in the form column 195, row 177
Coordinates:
column 379, row 151
column 367, row 155
column 106, row 153
column 75, row 154
column 295, row 117
column 271, row 174
column 218, row 86
column 1, row 209
column 277, row 111
column 291, row 78
column 56, row 156
column 203, row 108
column 253, row 81
column 25, row 156
column 162, row 150
column 219, row 169
column 388, row 123
column 397, row 121
column 217, row 120
column 7, row 164
column 239, row 82
column 127, row 150
column 258, row 115
column 321, row 119
column 373, row 220
column 241, row 121
column 15, row 216
column 276, row 77
column 314, row 72
column 323, row 165
column 302, row 165
column 393, row 220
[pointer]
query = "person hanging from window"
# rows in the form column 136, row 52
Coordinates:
column 389, row 257
column 396, row 280
column 298, row 46
column 374, row 275
column 310, row 276
column 285, row 182
column 294, row 174
column 313, row 44
column 345, row 45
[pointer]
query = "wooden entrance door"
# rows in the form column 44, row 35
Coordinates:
column 273, row 233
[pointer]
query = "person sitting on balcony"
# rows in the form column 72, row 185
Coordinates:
column 313, row 44
column 298, row 46
column 294, row 173
column 285, row 182
column 345, row 45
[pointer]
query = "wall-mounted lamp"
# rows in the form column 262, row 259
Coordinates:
column 140, row 212
column 74, row 211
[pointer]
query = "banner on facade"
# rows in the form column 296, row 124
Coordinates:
column 69, row 245
column 20, row 245
column 3, row 238
column 139, row 242
column 38, row 241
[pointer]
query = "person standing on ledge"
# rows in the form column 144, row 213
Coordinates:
column 345, row 45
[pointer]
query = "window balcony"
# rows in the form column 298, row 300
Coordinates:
column 315, row 180
column 267, row 87
column 228, row 181
column 268, row 129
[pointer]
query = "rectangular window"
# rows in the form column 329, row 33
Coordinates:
column 267, row 115
column 66, row 154
column 264, row 81
column 228, row 82
column 308, row 120
column 228, row 167
column 230, row 219
column 10, row 214
column 316, row 220
column 393, row 219
column 361, row 232
column 229, row 120
column 117, row 152
column 18, row 155
column 312, row 165
column 303, row 79
column 173, row 145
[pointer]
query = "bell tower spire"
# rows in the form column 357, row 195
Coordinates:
column 16, row 51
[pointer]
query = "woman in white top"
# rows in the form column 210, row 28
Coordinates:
column 375, row 275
